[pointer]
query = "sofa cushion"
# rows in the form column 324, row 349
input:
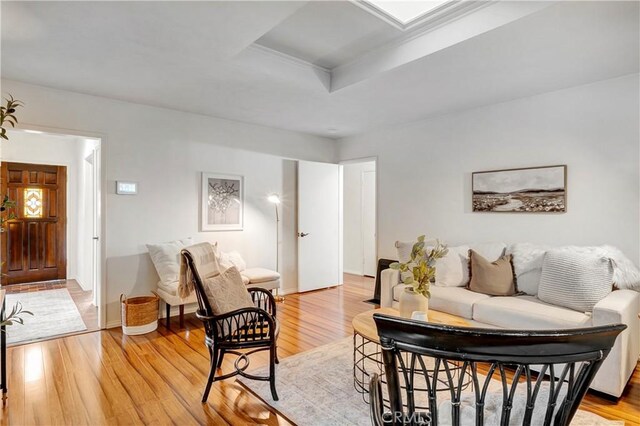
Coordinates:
column 575, row 277
column 453, row 269
column 170, row 288
column 527, row 312
column 260, row 275
column 492, row 278
column 452, row 300
column 527, row 264
column 174, row 300
column 455, row 300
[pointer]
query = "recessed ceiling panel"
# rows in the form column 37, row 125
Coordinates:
column 329, row 33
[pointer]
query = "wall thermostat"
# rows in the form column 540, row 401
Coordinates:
column 126, row 188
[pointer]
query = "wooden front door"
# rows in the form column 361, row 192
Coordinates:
column 34, row 242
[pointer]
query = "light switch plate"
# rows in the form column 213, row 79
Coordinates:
column 126, row 188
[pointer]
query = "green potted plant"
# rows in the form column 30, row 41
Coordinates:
column 7, row 115
column 418, row 273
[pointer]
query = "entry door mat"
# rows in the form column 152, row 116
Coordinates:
column 54, row 314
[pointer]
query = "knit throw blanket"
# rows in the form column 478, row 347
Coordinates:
column 205, row 262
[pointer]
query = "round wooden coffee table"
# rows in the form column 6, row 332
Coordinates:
column 367, row 356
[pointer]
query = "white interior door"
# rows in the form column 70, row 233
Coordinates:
column 319, row 230
column 369, row 223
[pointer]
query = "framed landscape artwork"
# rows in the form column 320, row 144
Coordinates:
column 528, row 190
column 222, row 202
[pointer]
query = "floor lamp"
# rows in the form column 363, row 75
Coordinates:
column 275, row 199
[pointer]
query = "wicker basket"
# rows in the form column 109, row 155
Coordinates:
column 139, row 314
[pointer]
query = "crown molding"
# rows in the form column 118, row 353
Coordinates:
column 289, row 58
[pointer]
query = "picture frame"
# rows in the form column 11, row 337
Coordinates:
column 540, row 189
column 222, row 202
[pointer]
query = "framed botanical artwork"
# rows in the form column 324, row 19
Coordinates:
column 528, row 190
column 222, row 202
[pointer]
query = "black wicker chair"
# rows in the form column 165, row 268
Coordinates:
column 426, row 364
column 241, row 332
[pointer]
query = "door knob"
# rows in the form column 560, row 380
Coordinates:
column 303, row 234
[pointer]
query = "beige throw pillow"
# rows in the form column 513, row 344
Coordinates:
column 226, row 292
column 492, row 278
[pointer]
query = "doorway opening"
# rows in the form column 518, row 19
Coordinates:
column 50, row 243
column 359, row 221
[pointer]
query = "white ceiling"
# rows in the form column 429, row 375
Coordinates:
column 313, row 67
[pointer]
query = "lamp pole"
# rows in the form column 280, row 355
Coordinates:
column 275, row 199
column 277, row 239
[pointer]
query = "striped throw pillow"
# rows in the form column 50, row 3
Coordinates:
column 575, row 279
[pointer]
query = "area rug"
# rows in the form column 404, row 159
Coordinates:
column 54, row 313
column 316, row 388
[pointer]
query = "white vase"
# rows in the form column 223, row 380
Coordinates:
column 411, row 301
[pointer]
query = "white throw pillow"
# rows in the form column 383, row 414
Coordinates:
column 232, row 258
column 625, row 273
column 527, row 261
column 575, row 277
column 403, row 249
column 453, row 269
column 490, row 251
column 237, row 261
column 166, row 259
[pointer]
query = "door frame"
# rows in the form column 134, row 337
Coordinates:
column 62, row 171
column 101, row 295
column 377, row 182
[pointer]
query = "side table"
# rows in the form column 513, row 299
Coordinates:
column 367, row 355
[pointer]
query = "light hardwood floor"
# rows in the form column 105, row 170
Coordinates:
column 108, row 378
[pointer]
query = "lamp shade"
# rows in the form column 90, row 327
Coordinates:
column 274, row 198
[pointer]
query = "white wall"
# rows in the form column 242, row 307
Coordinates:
column 424, row 169
column 353, row 210
column 165, row 151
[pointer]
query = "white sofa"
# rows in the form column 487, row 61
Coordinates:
column 528, row 312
